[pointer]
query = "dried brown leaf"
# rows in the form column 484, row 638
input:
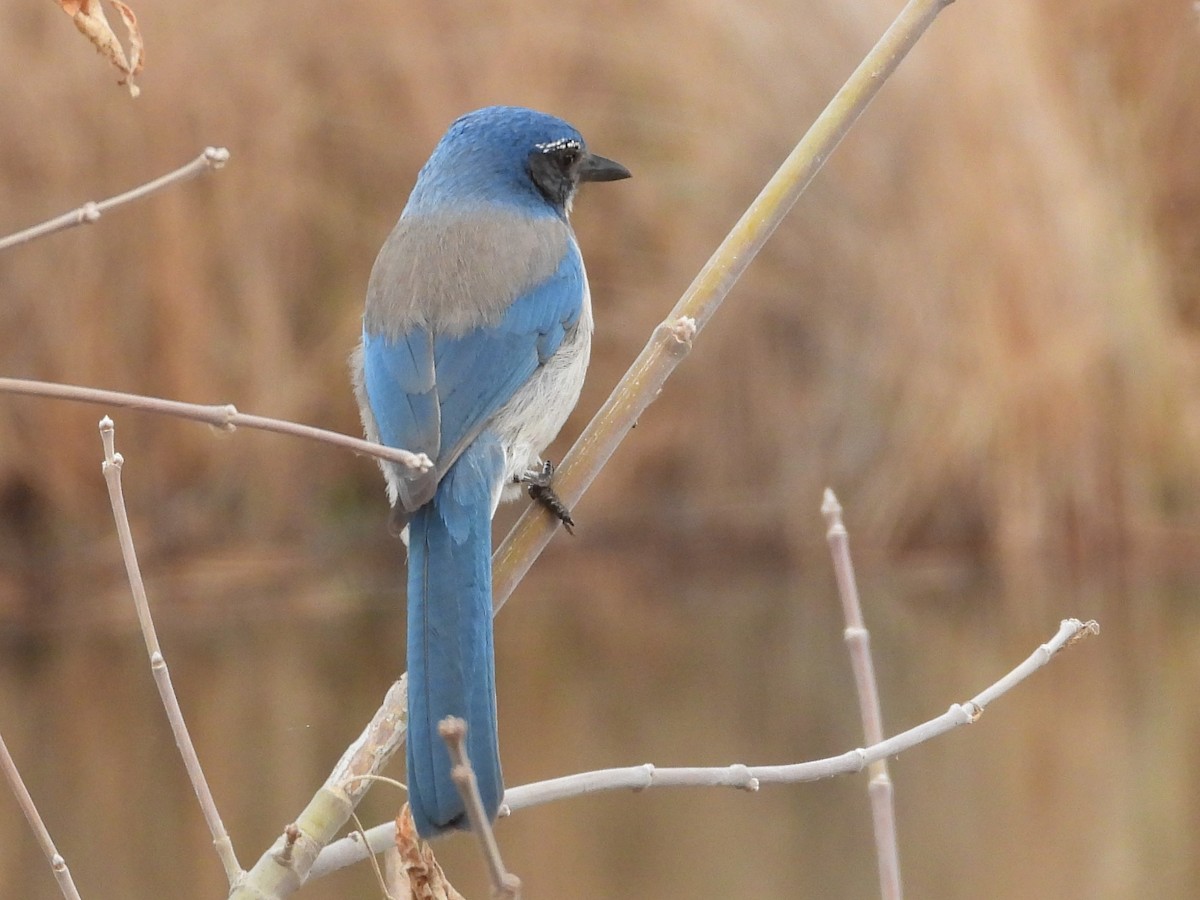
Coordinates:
column 426, row 880
column 137, row 47
column 89, row 18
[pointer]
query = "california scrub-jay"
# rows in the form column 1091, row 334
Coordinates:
column 476, row 335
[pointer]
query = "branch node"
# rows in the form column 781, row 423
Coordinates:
column 648, row 770
column 230, row 412
column 89, row 212
column 1090, row 628
column 742, row 778
column 683, row 330
column 830, row 508
column 109, row 440
column 510, row 889
column 216, row 157
column 291, row 834
column 452, row 730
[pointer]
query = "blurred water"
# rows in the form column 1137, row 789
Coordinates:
column 1079, row 784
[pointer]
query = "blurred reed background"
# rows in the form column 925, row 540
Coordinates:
column 980, row 326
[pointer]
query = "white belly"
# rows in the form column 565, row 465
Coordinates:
column 528, row 422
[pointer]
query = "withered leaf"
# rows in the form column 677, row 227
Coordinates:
column 426, row 880
column 89, row 18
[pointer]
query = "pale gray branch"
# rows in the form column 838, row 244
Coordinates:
column 111, row 467
column 210, row 158
column 858, row 643
column 223, row 416
column 59, row 866
column 505, row 885
column 350, row 850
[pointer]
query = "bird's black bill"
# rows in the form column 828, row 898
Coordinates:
column 597, row 168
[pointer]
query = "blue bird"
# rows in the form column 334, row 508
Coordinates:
column 476, row 336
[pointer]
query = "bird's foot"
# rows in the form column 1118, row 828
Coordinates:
column 541, row 489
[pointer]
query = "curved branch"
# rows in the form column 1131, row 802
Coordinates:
column 350, row 850
column 210, row 158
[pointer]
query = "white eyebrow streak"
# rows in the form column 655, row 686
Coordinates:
column 560, row 144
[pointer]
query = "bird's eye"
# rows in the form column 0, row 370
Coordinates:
column 554, row 168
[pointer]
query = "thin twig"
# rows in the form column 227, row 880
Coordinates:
column 59, row 866
column 347, row 852
column 505, row 885
column 210, row 158
column 858, row 642
column 672, row 340
column 111, row 467
column 382, row 779
column 379, row 879
column 223, row 416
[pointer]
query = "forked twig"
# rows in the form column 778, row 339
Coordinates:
column 637, row 778
column 858, row 642
column 210, row 158
column 111, row 467
column 59, row 865
column 505, row 885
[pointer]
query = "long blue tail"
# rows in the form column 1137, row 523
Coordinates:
column 451, row 669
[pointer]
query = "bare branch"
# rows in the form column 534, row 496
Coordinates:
column 61, row 873
column 672, row 340
column 505, row 885
column 226, row 417
column 211, row 158
column 111, row 467
column 347, row 852
column 858, row 642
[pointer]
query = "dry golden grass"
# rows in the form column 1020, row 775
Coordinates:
column 979, row 325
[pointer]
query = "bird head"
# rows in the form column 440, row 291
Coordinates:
column 511, row 156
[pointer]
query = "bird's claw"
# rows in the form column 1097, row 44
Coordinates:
column 541, row 488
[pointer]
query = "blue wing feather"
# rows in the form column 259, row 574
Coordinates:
column 450, row 386
column 400, row 382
